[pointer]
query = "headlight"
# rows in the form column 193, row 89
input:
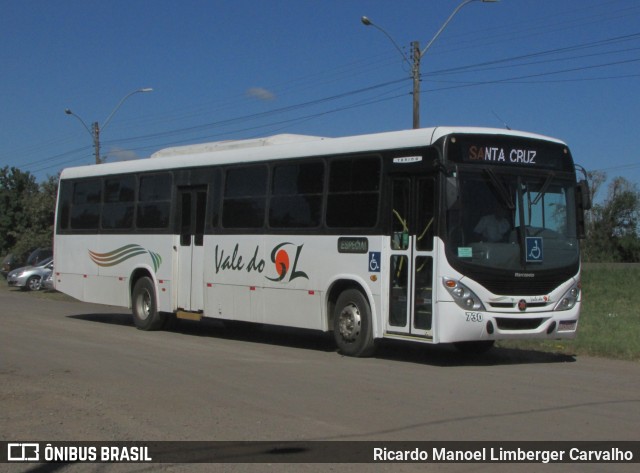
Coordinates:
column 569, row 299
column 462, row 295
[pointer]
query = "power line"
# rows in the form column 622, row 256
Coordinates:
column 340, row 72
column 528, row 76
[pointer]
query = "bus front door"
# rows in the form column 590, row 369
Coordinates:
column 411, row 264
column 192, row 203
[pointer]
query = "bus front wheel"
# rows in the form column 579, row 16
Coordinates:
column 145, row 307
column 352, row 324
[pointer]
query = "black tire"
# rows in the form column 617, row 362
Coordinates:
column 352, row 324
column 34, row 283
column 474, row 348
column 145, row 307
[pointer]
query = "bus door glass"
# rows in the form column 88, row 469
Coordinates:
column 411, row 264
column 192, row 203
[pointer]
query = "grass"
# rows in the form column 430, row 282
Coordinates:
column 609, row 324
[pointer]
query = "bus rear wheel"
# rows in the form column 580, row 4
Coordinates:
column 145, row 306
column 352, row 324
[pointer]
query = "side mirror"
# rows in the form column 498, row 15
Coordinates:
column 585, row 194
column 583, row 203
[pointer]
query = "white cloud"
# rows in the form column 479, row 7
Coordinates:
column 261, row 93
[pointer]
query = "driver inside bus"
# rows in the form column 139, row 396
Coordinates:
column 493, row 226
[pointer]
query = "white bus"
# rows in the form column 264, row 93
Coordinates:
column 374, row 236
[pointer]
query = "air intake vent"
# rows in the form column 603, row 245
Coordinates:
column 518, row 324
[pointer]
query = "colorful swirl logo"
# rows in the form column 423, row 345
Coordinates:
column 119, row 255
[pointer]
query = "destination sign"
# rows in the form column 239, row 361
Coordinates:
column 495, row 154
column 509, row 151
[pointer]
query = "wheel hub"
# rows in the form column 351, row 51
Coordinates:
column 144, row 304
column 350, row 322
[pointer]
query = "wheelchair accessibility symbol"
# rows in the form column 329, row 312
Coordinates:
column 534, row 250
column 374, row 261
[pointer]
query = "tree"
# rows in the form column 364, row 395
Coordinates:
column 16, row 187
column 27, row 211
column 36, row 227
column 595, row 180
column 612, row 227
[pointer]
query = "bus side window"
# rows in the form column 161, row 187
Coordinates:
column 244, row 197
column 64, row 205
column 118, row 207
column 154, row 201
column 214, row 199
column 296, row 195
column 85, row 206
column 354, row 190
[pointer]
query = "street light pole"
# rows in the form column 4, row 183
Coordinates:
column 94, row 131
column 416, row 55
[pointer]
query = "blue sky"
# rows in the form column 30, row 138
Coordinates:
column 247, row 68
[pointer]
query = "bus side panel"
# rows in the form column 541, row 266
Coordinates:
column 292, row 308
column 278, row 279
column 74, row 268
column 98, row 268
column 242, row 283
column 229, row 302
column 149, row 254
column 70, row 284
column 295, row 308
column 107, row 290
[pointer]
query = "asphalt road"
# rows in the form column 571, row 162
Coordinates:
column 76, row 371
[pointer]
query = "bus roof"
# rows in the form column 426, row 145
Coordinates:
column 283, row 147
column 217, row 146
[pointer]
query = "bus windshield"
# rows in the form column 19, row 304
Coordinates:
column 504, row 220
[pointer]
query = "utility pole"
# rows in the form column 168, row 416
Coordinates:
column 96, row 141
column 416, row 55
column 94, row 131
column 415, row 74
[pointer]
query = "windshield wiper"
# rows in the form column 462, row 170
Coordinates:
column 502, row 191
column 543, row 189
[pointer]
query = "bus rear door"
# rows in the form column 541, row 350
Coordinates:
column 192, row 202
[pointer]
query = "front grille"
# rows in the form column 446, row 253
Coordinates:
column 519, row 287
column 502, row 305
column 518, row 324
column 511, row 305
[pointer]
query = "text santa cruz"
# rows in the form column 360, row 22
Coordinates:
column 516, row 156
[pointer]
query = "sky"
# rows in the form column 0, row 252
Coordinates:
column 237, row 69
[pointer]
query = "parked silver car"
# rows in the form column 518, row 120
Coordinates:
column 30, row 278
